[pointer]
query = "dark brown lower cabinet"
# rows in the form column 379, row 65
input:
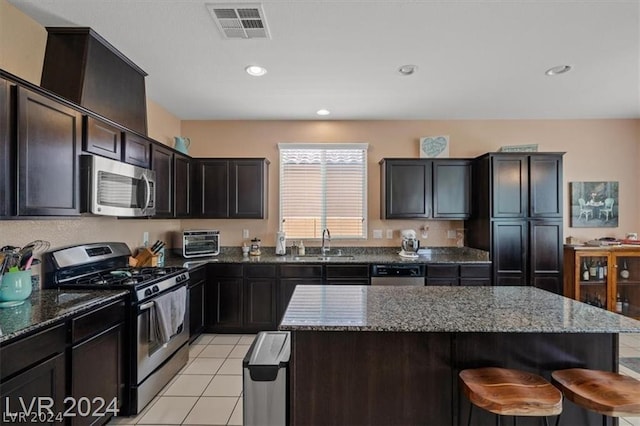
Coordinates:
column 459, row 274
column 224, row 298
column 197, row 278
column 43, row 382
column 260, row 288
column 97, row 371
column 528, row 252
column 347, row 275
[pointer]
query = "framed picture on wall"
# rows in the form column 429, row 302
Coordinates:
column 594, row 204
column 434, row 147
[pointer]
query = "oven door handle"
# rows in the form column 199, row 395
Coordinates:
column 146, row 306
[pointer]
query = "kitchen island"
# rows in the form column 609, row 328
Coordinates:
column 391, row 355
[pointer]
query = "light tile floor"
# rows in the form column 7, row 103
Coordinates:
column 208, row 391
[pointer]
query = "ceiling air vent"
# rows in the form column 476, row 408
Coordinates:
column 244, row 20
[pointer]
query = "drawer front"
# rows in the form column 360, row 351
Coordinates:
column 442, row 281
column 260, row 271
column 442, row 271
column 475, row 281
column 31, row 350
column 226, row 270
column 197, row 274
column 97, row 321
column 348, row 281
column 347, row 271
column 301, row 271
column 475, row 271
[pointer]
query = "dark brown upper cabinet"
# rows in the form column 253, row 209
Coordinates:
column 81, row 66
column 101, row 138
column 49, row 143
column 451, row 189
column 136, row 150
column 231, row 188
column 173, row 182
column 162, row 164
column 425, row 189
column 519, row 185
column 406, row 189
column 545, row 186
column 182, row 185
column 6, row 158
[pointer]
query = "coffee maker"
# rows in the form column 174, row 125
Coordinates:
column 410, row 243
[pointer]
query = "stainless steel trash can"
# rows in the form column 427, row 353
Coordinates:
column 265, row 380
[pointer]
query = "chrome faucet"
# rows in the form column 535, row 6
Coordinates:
column 324, row 250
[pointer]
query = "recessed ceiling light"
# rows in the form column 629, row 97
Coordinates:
column 323, row 112
column 255, row 70
column 407, row 69
column 560, row 69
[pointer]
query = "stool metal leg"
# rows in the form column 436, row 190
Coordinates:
column 470, row 411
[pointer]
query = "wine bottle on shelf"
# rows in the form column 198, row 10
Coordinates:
column 593, row 269
column 606, row 269
column 618, row 304
column 624, row 273
column 600, row 271
column 625, row 305
column 585, row 271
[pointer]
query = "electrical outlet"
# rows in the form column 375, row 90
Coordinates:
column 245, row 234
column 451, row 234
column 377, row 234
column 389, row 234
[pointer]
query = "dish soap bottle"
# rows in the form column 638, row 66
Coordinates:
column 301, row 249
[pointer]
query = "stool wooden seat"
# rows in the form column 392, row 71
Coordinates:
column 508, row 392
column 606, row 393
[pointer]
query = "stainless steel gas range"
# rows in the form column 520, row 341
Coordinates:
column 151, row 363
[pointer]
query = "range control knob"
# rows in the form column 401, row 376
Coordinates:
column 155, row 289
column 147, row 292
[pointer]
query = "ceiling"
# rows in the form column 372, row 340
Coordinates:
column 482, row 59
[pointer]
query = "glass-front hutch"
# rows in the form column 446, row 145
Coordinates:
column 607, row 277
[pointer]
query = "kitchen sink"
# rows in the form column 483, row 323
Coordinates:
column 325, row 258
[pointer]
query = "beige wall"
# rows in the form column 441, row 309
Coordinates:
column 161, row 124
column 595, row 150
column 22, row 43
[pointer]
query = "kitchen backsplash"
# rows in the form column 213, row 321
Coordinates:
column 63, row 232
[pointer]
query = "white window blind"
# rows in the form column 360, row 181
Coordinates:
column 323, row 186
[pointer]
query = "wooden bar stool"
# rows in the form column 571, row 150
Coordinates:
column 606, row 393
column 507, row 392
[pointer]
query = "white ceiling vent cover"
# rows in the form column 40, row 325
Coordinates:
column 239, row 20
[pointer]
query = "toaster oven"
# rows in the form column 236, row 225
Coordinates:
column 197, row 243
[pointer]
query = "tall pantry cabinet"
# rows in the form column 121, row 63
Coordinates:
column 517, row 216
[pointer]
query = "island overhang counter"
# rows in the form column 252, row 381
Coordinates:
column 391, row 355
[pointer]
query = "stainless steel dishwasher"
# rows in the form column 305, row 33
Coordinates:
column 398, row 274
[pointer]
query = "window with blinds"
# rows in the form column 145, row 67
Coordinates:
column 323, row 186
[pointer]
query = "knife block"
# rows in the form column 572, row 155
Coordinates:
column 144, row 258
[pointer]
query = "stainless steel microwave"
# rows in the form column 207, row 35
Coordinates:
column 197, row 243
column 112, row 188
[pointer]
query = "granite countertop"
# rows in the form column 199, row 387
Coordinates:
column 47, row 307
column 447, row 310
column 353, row 255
